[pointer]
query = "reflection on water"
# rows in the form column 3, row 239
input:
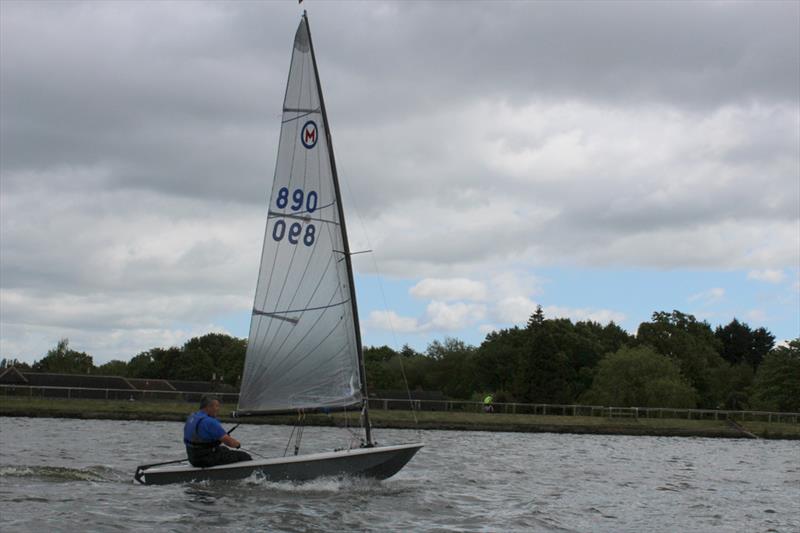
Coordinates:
column 80, row 478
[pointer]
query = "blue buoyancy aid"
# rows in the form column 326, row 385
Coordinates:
column 191, row 435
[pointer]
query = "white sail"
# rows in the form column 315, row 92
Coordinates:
column 302, row 350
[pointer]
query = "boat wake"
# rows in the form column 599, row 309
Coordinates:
column 97, row 474
column 354, row 485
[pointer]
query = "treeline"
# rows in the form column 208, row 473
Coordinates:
column 674, row 360
column 214, row 356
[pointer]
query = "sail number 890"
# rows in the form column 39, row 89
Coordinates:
column 299, row 198
column 294, row 233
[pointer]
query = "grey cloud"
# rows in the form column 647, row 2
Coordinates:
column 156, row 123
column 178, row 97
column 127, row 242
column 690, row 53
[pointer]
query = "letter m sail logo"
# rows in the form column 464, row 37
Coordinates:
column 308, row 135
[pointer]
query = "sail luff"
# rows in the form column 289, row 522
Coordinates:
column 356, row 324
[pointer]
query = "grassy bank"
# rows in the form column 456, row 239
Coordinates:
column 177, row 411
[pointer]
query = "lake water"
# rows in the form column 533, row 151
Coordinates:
column 71, row 475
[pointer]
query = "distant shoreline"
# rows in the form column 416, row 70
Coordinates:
column 427, row 420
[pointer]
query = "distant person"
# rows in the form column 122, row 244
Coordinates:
column 488, row 404
column 207, row 443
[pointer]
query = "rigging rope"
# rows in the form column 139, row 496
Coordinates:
column 354, row 437
column 301, row 417
column 253, row 453
column 291, row 435
column 385, row 305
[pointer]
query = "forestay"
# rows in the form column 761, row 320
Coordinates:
column 302, row 350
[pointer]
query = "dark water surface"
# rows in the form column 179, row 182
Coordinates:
column 73, row 475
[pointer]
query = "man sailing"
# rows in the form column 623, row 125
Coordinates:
column 204, row 438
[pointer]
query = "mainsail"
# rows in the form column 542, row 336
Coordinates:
column 303, row 348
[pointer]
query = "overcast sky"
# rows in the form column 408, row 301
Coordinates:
column 602, row 159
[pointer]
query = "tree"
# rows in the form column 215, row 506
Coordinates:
column 64, row 360
column 731, row 384
column 376, row 364
column 777, row 382
column 142, row 366
column 408, row 352
column 736, row 339
column 537, row 318
column 113, row 368
column 453, row 367
column 763, row 342
column 415, row 367
column 16, row 363
column 640, row 377
column 213, row 354
column 379, row 354
column 691, row 344
column 544, row 372
column 497, row 358
column 614, row 337
column 156, row 363
column 740, row 344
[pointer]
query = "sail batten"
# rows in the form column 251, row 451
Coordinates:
column 298, row 216
column 304, row 347
column 258, row 312
column 301, row 110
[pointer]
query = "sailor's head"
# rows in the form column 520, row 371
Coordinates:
column 210, row 405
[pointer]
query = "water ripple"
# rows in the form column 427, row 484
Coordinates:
column 461, row 481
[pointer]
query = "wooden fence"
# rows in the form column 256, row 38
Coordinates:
column 26, row 391
column 587, row 410
column 29, row 391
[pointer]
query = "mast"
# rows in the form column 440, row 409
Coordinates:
column 361, row 369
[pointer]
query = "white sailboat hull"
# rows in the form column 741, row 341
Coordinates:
column 379, row 462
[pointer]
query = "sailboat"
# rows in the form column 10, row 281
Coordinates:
column 304, row 351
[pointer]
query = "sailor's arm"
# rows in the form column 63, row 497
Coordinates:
column 229, row 441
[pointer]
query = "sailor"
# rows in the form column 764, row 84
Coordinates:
column 204, row 438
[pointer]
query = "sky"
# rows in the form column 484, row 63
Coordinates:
column 604, row 160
